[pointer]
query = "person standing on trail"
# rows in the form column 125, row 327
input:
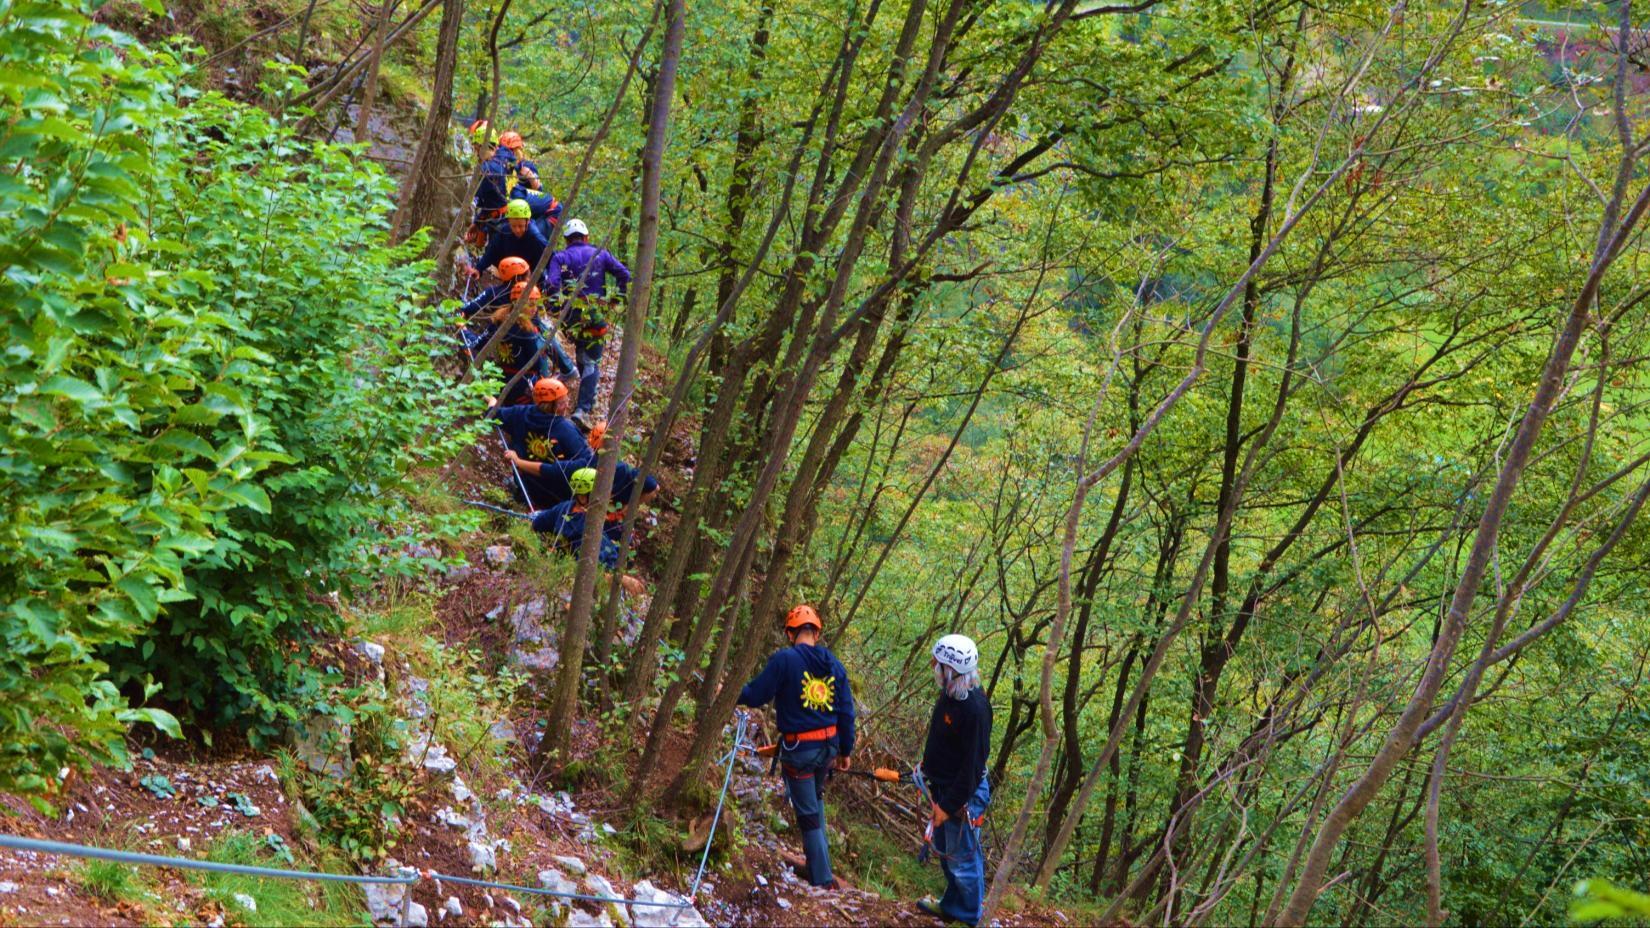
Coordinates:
column 520, row 345
column 499, row 172
column 815, row 708
column 543, row 445
column 544, row 207
column 519, row 240
column 953, row 765
column 577, row 280
column 511, row 270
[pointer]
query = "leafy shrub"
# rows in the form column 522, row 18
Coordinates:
column 215, row 388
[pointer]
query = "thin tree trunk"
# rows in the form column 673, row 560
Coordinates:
column 564, row 703
column 420, row 195
column 369, row 94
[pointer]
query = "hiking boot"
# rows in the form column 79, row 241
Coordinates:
column 928, row 905
column 581, row 419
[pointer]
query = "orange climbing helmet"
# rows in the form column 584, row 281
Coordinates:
column 512, row 267
column 518, row 287
column 511, row 140
column 548, row 390
column 801, row 617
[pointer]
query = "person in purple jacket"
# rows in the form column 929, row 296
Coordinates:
column 815, row 709
column 577, row 281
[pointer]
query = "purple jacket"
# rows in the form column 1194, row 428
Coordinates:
column 594, row 265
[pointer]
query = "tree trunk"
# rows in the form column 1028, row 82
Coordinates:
column 420, row 198
column 369, row 93
column 565, row 701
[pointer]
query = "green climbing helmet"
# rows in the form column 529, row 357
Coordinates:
column 518, row 209
column 583, row 480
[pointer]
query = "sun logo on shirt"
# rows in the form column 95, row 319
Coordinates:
column 538, row 447
column 818, row 693
column 506, row 353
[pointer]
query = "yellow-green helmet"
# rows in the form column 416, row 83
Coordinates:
column 518, row 209
column 582, row 480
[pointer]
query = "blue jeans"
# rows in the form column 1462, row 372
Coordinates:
column 957, row 843
column 804, row 769
column 590, row 372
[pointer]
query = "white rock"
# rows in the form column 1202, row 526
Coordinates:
column 608, row 829
column 446, row 816
column 52, row 890
column 384, row 901
column 482, row 858
column 571, row 864
column 761, row 880
column 246, row 902
column 452, row 907
column 499, row 555
column 582, row 919
column 597, row 885
column 659, row 916
column 461, row 790
column 372, row 651
column 557, row 882
column 184, row 844
column 216, row 922
column 417, row 916
column 513, row 905
column 8, row 887
column 782, row 902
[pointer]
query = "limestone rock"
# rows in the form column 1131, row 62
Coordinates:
column 482, row 858
column 452, row 907
column 597, row 885
column 499, row 556
column 660, row 916
column 571, row 864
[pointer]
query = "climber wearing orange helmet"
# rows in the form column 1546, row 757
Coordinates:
column 542, row 444
column 499, row 173
column 512, row 270
column 519, row 347
column 815, row 710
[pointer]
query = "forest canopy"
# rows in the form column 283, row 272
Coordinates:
column 1262, row 385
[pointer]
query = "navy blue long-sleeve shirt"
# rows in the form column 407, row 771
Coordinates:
column 959, row 741
column 809, row 691
column 542, row 436
column 507, row 244
column 565, row 520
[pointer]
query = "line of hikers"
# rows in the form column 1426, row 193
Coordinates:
column 814, row 707
column 553, row 450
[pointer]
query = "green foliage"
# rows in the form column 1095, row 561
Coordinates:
column 109, row 880
column 280, row 902
column 1599, row 900
column 199, row 309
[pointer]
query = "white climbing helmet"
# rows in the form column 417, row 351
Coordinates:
column 574, row 227
column 959, row 652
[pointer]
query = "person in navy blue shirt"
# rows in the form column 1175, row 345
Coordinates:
column 543, row 445
column 577, row 280
column 565, row 520
column 517, row 240
column 543, row 208
column 815, row 708
column 953, row 764
column 520, row 345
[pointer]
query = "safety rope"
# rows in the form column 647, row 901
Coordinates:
column 15, row 842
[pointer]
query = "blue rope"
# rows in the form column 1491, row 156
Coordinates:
column 157, row 860
column 727, row 777
column 130, row 857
